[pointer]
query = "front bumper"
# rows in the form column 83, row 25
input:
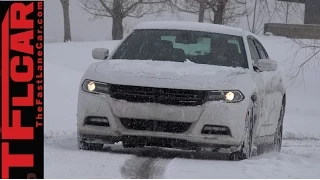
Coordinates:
column 231, row 115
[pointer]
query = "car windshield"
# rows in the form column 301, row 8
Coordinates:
column 181, row 46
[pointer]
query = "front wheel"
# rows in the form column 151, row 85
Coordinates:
column 246, row 149
column 82, row 145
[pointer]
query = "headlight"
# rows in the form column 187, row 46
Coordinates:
column 95, row 87
column 91, row 86
column 226, row 96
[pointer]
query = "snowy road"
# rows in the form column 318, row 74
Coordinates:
column 298, row 159
column 300, row 156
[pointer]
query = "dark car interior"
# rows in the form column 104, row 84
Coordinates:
column 151, row 46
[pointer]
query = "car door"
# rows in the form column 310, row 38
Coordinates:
column 261, row 128
column 271, row 99
column 272, row 91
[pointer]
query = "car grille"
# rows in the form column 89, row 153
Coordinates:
column 178, row 97
column 155, row 125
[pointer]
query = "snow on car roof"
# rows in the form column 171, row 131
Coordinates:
column 190, row 26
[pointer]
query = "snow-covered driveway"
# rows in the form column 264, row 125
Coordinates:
column 298, row 159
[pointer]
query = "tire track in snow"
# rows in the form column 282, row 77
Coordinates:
column 144, row 168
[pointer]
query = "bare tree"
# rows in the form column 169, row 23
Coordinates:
column 66, row 20
column 311, row 50
column 259, row 12
column 289, row 11
column 286, row 7
column 218, row 7
column 198, row 7
column 216, row 11
column 229, row 13
column 120, row 9
column 202, row 9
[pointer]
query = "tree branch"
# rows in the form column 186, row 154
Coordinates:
column 104, row 5
column 133, row 5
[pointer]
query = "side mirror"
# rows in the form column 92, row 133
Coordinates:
column 100, row 53
column 267, row 65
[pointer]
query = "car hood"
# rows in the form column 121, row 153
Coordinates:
column 179, row 75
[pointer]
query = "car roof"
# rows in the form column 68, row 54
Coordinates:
column 191, row 26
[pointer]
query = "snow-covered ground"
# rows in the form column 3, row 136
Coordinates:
column 65, row 64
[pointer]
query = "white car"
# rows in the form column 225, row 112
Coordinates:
column 183, row 85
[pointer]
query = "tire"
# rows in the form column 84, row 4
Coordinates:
column 246, row 149
column 82, row 145
column 279, row 131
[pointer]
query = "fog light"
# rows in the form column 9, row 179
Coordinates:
column 218, row 130
column 97, row 121
column 214, row 128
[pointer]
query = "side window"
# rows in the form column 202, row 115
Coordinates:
column 262, row 51
column 253, row 50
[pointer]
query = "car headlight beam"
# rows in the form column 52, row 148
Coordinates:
column 91, row 86
column 229, row 96
column 232, row 96
column 95, row 87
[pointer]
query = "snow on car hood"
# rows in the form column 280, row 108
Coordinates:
column 183, row 75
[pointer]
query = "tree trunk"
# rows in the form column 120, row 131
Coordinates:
column 287, row 12
column 218, row 16
column 117, row 28
column 117, row 19
column 66, row 20
column 201, row 11
column 254, row 17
